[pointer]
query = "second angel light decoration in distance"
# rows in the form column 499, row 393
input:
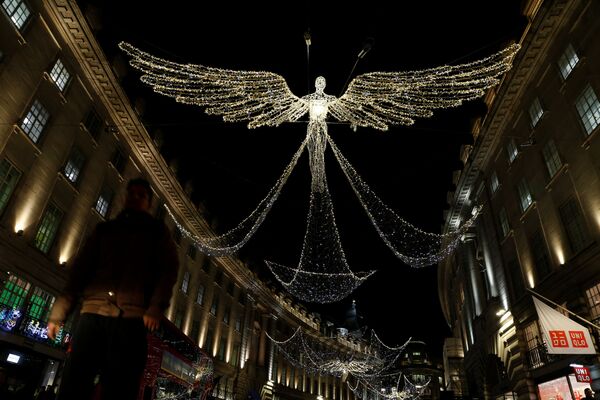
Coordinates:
column 374, row 100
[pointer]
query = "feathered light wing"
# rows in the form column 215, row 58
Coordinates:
column 379, row 99
column 262, row 98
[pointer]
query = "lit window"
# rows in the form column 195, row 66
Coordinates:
column 60, row 75
column 574, row 224
column 593, row 297
column 222, row 348
column 185, row 282
column 14, row 292
column 214, row 305
column 74, row 165
column 34, row 122
column 494, row 183
column 568, row 61
column 48, row 228
column 226, row 313
column 103, row 202
column 551, row 158
column 40, row 304
column 200, row 295
column 504, row 225
column 535, row 112
column 9, row 176
column 588, row 108
column 511, row 149
column 525, row 198
column 17, row 11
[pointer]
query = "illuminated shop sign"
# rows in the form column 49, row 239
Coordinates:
column 563, row 388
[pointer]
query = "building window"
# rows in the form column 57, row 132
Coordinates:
column 9, row 176
column 178, row 317
column 494, row 183
column 235, row 355
column 191, row 252
column 60, row 75
column 74, row 165
column 242, row 298
column 208, row 342
column 535, row 112
column 14, row 292
column 40, row 304
column 588, row 108
column 219, row 277
column 34, row 122
column 568, row 61
column 540, row 254
column 17, row 11
column 118, row 160
column 593, row 297
column 93, row 123
column 185, row 282
column 551, row 158
column 512, row 151
column 525, row 199
column 222, row 348
column 238, row 322
column 103, row 202
column 200, row 295
column 514, row 270
column 226, row 313
column 48, row 228
column 214, row 304
column 206, row 265
column 574, row 224
column 230, row 289
column 532, row 335
column 195, row 333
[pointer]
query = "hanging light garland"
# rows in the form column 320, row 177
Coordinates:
column 327, row 356
column 374, row 100
column 387, row 387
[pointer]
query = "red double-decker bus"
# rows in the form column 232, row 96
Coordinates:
column 176, row 367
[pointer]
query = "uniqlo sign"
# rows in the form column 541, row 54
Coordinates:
column 563, row 335
column 574, row 339
column 582, row 374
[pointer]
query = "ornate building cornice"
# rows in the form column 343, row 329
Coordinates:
column 537, row 37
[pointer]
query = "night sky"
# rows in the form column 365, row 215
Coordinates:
column 233, row 168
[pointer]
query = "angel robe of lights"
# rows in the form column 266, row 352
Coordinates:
column 374, row 100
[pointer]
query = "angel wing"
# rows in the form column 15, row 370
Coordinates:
column 379, row 99
column 262, row 98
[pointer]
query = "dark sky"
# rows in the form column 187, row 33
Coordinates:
column 233, row 168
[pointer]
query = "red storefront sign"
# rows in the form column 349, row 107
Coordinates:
column 582, row 374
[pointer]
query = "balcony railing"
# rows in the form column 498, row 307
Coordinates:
column 538, row 357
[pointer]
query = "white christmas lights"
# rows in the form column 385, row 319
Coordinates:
column 326, row 356
column 375, row 100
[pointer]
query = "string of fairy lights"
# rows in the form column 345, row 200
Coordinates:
column 374, row 100
column 394, row 386
column 319, row 355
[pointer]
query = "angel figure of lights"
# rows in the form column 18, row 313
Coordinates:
column 373, row 100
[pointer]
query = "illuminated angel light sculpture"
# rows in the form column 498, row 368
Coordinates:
column 374, row 100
